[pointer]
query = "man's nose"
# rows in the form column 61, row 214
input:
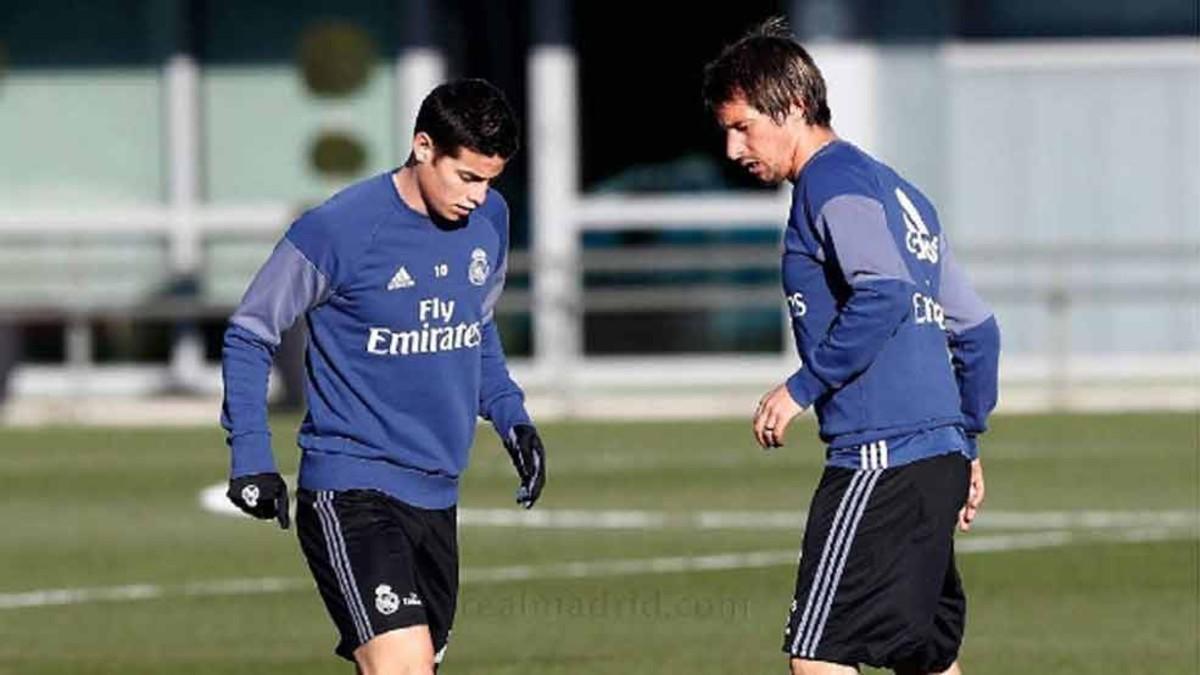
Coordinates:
column 477, row 194
column 734, row 149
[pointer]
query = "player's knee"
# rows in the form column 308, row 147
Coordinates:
column 396, row 667
column 400, row 652
column 806, row 667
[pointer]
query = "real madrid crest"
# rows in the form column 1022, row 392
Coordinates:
column 386, row 601
column 479, row 268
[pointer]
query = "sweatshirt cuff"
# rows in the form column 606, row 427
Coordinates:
column 510, row 414
column 972, row 447
column 251, row 454
column 805, row 387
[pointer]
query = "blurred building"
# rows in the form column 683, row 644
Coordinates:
column 151, row 152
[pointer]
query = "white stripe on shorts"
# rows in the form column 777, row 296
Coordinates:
column 833, row 561
column 336, row 546
column 814, row 639
column 806, row 615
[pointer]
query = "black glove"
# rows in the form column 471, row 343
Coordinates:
column 529, row 457
column 262, row 495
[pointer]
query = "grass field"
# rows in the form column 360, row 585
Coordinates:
column 1085, row 560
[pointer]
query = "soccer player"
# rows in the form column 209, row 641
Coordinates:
column 397, row 278
column 899, row 360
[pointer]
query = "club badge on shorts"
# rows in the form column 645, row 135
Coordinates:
column 479, row 268
column 386, row 601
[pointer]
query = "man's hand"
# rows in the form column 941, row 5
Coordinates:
column 529, row 457
column 262, row 495
column 966, row 515
column 775, row 412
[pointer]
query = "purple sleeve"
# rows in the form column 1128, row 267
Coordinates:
column 501, row 399
column 286, row 286
column 974, row 338
column 856, row 238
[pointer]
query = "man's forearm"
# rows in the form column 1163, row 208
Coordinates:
column 246, row 369
column 501, row 400
column 975, row 354
column 855, row 338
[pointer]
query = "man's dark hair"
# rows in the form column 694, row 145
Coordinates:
column 768, row 69
column 470, row 114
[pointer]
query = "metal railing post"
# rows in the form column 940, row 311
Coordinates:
column 554, row 144
column 181, row 80
column 420, row 66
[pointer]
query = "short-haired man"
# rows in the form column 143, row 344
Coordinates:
column 899, row 360
column 397, row 277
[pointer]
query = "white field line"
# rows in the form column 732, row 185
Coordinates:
column 213, row 499
column 58, row 597
column 794, row 520
column 81, row 596
column 632, row 566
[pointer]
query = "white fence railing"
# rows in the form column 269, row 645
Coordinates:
column 571, row 381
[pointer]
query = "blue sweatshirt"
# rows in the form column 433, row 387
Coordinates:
column 403, row 352
column 900, row 356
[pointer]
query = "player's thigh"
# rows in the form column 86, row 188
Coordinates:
column 361, row 556
column 402, row 651
column 875, row 562
column 936, row 599
column 949, row 625
column 832, row 504
column 437, row 574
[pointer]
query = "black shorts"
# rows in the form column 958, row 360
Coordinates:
column 877, row 583
column 380, row 564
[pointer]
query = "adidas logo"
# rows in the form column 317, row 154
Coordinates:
column 402, row 279
column 919, row 240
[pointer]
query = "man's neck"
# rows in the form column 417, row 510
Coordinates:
column 405, row 182
column 809, row 143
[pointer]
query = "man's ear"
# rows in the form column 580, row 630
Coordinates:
column 796, row 113
column 423, row 149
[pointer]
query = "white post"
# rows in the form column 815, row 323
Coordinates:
column 181, row 76
column 851, row 74
column 79, row 354
column 557, row 271
column 851, row 70
column 418, row 70
column 182, row 79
